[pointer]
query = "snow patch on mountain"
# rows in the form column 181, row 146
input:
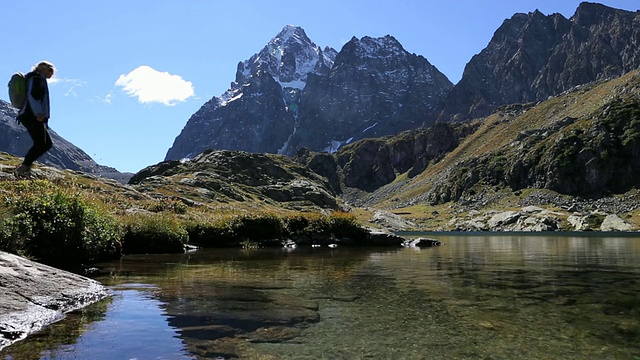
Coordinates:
column 298, row 84
column 285, row 146
column 334, row 145
column 370, row 127
column 230, row 95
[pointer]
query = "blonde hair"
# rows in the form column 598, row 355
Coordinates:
column 44, row 65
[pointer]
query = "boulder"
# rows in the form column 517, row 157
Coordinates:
column 541, row 222
column 613, row 222
column 392, row 221
column 35, row 295
column 503, row 218
column 579, row 222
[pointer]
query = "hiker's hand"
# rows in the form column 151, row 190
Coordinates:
column 40, row 118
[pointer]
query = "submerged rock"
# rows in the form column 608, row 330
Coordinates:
column 422, row 242
column 35, row 295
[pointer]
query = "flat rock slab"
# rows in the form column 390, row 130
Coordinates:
column 33, row 295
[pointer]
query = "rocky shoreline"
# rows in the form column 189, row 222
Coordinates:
column 606, row 215
column 36, row 295
column 535, row 219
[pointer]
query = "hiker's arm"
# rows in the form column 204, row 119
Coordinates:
column 36, row 96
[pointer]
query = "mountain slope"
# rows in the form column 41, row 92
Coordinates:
column 533, row 56
column 584, row 144
column 15, row 140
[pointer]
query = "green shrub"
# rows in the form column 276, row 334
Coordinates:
column 211, row 234
column 237, row 230
column 12, row 235
column 345, row 225
column 296, row 225
column 335, row 225
column 269, row 229
column 260, row 227
column 174, row 206
column 154, row 233
column 58, row 229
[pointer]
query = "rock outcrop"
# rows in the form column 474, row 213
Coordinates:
column 240, row 176
column 372, row 163
column 35, row 295
column 590, row 155
column 530, row 219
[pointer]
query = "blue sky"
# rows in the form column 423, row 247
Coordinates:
column 130, row 73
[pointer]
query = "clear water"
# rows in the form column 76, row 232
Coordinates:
column 476, row 297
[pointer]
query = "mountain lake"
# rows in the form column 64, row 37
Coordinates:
column 479, row 296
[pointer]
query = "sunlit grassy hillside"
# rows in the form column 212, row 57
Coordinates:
column 67, row 218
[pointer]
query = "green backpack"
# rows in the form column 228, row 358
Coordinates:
column 18, row 90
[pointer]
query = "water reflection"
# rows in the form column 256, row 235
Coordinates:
column 128, row 325
column 497, row 297
column 59, row 335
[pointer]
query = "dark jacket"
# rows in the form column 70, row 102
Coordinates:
column 37, row 98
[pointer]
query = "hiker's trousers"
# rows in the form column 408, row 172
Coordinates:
column 40, row 136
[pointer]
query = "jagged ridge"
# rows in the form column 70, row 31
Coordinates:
column 532, row 57
column 292, row 95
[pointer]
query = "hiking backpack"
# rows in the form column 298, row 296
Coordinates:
column 18, row 90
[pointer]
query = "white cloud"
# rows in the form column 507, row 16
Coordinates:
column 71, row 90
column 150, row 85
column 69, row 84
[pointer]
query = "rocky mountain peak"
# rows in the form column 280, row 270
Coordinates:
column 289, row 32
column 288, row 57
column 377, row 47
column 589, row 13
column 383, row 51
column 389, row 90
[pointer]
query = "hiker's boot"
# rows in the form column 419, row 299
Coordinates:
column 22, row 172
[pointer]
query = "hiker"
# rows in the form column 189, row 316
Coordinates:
column 34, row 115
